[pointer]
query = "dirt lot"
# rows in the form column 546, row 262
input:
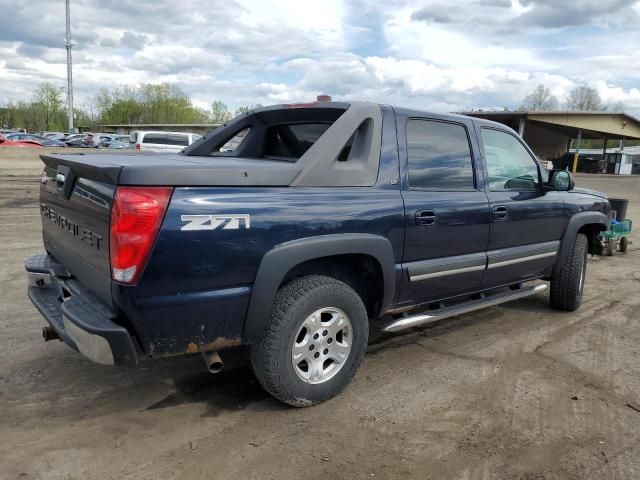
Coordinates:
column 513, row 392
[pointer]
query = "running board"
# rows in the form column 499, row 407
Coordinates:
column 470, row 306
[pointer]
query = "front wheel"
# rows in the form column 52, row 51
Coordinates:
column 567, row 283
column 314, row 341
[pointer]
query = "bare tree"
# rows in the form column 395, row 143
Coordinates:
column 584, row 98
column 540, row 99
column 618, row 107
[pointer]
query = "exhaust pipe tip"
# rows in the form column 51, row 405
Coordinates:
column 213, row 362
column 49, row 334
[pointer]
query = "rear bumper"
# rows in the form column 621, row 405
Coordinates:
column 81, row 320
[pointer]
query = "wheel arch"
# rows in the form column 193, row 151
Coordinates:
column 283, row 259
column 588, row 223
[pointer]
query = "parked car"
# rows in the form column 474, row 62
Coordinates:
column 117, row 140
column 323, row 218
column 162, row 141
column 5, row 142
column 117, row 144
column 55, row 135
column 72, row 137
column 32, row 137
column 82, row 140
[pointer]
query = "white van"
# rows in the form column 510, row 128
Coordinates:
column 161, row 141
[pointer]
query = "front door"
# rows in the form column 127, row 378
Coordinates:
column 446, row 215
column 527, row 222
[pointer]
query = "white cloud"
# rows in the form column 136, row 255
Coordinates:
column 489, row 52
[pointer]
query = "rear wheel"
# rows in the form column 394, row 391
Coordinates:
column 314, row 341
column 567, row 283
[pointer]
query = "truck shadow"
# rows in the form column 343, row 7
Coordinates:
column 234, row 389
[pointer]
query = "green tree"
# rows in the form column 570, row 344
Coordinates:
column 246, row 109
column 119, row 105
column 49, row 99
column 147, row 103
column 219, row 112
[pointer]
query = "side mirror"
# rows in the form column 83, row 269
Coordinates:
column 561, row 180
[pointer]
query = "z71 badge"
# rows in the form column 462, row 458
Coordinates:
column 213, row 222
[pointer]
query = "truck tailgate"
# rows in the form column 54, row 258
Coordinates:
column 75, row 204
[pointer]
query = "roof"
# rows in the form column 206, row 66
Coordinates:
column 598, row 125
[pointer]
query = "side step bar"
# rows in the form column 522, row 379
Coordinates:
column 446, row 312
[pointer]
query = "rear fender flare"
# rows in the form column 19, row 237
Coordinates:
column 281, row 259
column 576, row 222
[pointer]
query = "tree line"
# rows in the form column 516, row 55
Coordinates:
column 167, row 103
column 581, row 98
column 122, row 104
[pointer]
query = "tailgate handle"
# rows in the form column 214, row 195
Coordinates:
column 65, row 178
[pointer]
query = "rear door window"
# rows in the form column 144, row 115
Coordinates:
column 439, row 156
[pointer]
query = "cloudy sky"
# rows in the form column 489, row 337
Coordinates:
column 433, row 54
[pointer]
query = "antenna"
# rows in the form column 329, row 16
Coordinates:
column 69, row 75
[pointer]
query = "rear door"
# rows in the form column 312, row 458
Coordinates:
column 446, row 209
column 526, row 221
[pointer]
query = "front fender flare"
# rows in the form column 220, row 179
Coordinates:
column 575, row 223
column 282, row 258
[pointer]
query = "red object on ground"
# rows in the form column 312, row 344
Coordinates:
column 22, row 143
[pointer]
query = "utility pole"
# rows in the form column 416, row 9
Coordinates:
column 69, row 75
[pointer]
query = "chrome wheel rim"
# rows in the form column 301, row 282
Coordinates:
column 322, row 345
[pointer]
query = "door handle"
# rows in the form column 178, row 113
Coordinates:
column 426, row 217
column 500, row 213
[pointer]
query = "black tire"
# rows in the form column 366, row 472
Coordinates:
column 567, row 283
column 271, row 358
column 624, row 244
column 610, row 247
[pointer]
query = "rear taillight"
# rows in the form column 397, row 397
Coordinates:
column 135, row 220
column 137, row 146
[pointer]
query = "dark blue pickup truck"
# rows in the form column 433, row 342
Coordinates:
column 291, row 227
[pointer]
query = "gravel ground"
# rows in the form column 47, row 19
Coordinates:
column 513, row 392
